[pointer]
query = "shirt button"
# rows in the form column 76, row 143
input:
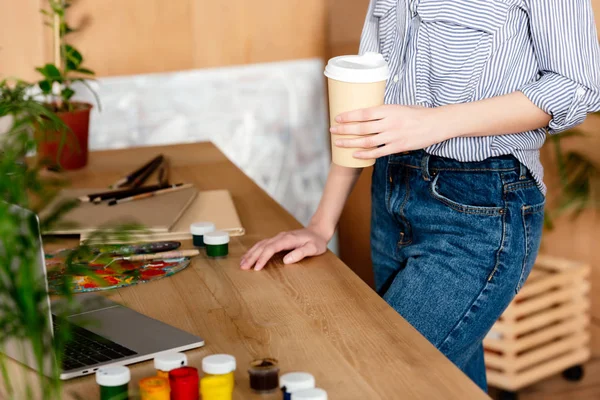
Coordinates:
column 396, row 79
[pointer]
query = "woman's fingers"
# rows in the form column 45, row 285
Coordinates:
column 308, row 250
column 365, row 114
column 251, row 255
column 287, row 242
column 368, row 142
column 358, row 128
column 380, row 151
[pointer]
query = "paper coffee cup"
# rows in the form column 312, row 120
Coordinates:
column 354, row 82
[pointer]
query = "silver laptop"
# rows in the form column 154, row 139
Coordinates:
column 103, row 332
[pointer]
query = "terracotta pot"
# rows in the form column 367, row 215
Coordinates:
column 74, row 153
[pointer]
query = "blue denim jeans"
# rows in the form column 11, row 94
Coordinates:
column 452, row 243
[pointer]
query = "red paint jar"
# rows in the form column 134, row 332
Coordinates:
column 184, row 383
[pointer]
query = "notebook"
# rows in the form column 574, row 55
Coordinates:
column 213, row 205
column 158, row 214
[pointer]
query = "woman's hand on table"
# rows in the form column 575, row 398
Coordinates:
column 307, row 242
column 389, row 129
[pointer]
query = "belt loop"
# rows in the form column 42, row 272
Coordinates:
column 522, row 171
column 425, row 167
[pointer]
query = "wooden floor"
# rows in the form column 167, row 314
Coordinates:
column 557, row 388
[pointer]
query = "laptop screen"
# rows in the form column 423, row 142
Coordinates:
column 28, row 274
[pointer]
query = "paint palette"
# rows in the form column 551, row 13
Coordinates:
column 104, row 273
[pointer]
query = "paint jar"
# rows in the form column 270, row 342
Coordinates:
column 155, row 388
column 184, row 383
column 198, row 230
column 114, row 382
column 216, row 387
column 220, row 365
column 264, row 375
column 295, row 381
column 310, row 394
column 167, row 362
column 217, row 243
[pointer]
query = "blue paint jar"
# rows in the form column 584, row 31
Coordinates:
column 294, row 382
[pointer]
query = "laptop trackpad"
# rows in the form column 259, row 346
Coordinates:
column 133, row 330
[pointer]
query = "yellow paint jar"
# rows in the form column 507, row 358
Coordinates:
column 220, row 365
column 216, row 387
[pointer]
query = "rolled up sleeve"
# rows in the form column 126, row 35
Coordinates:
column 565, row 43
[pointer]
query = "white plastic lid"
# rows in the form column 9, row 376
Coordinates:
column 218, row 364
column 366, row 68
column 310, row 394
column 113, row 376
column 168, row 361
column 201, row 228
column 216, row 237
column 295, row 381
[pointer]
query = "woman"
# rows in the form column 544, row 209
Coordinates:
column 458, row 196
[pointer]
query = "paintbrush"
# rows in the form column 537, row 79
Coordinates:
column 161, row 256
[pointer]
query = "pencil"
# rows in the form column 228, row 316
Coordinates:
column 159, row 256
column 126, row 180
column 150, row 194
column 119, row 194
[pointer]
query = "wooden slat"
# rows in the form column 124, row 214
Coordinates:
column 561, row 296
column 532, row 288
column 514, row 382
column 497, row 361
column 548, row 317
column 556, row 263
column 577, row 324
column 546, row 352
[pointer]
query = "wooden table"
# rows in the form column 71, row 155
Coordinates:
column 316, row 316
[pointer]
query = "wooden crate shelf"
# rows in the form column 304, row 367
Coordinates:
column 545, row 330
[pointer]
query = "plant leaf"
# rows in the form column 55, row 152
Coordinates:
column 45, row 86
column 51, row 73
column 74, row 57
column 85, row 71
column 67, row 93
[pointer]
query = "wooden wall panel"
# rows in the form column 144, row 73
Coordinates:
column 122, row 37
column 20, row 38
column 243, row 31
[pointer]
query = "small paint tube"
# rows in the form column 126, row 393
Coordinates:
column 217, row 244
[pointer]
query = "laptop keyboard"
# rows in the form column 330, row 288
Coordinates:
column 87, row 348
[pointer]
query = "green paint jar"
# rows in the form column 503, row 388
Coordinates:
column 217, row 244
column 198, row 230
column 114, row 382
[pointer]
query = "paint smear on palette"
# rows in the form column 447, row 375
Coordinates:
column 97, row 275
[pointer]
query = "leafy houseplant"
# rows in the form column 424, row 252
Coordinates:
column 23, row 292
column 57, row 87
column 579, row 180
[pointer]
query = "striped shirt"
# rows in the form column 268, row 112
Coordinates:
column 454, row 51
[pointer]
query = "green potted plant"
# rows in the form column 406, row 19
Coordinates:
column 23, row 293
column 57, row 87
column 579, row 180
